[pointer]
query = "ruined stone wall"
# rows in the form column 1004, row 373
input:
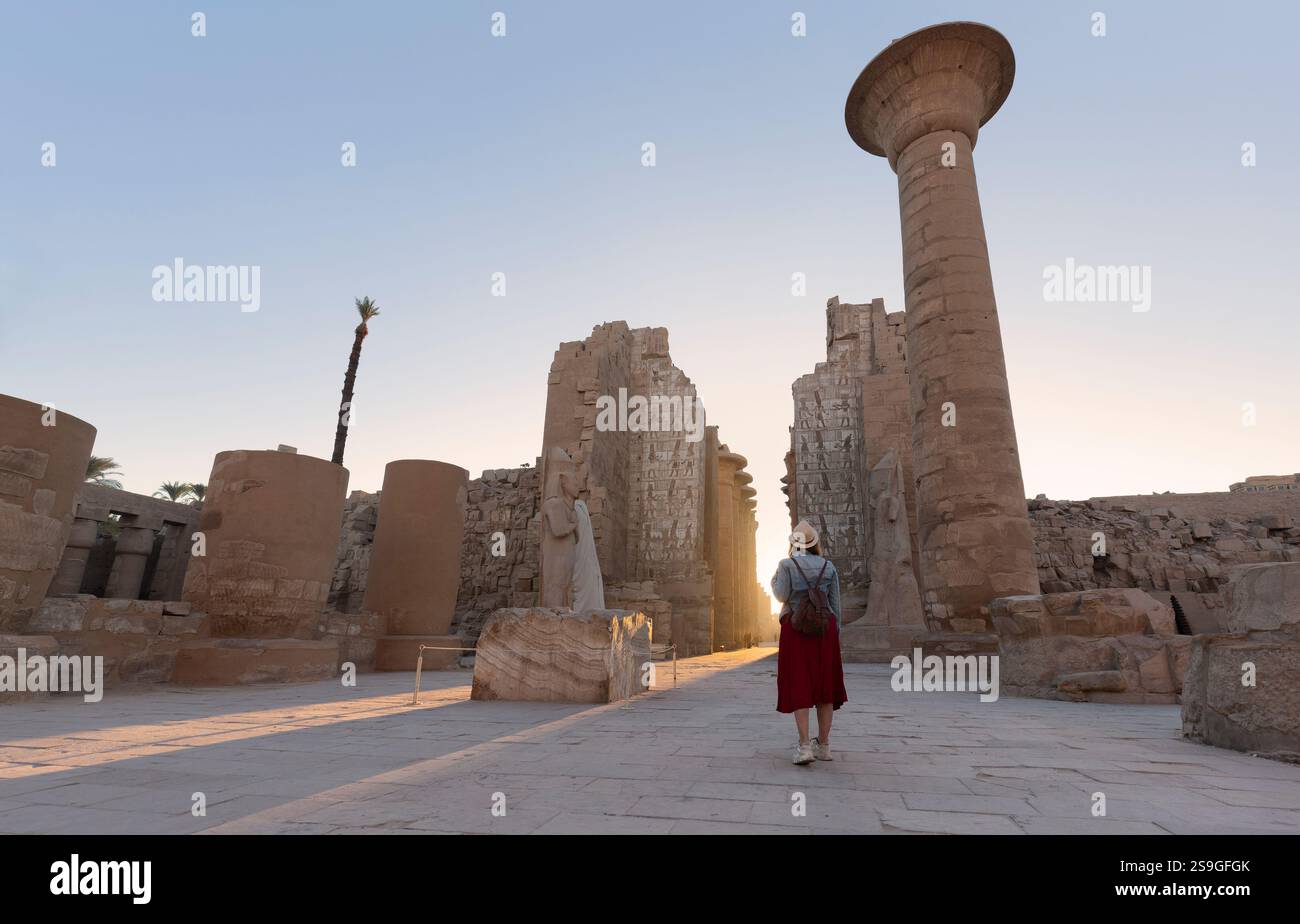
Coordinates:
column 665, row 534
column 352, row 563
column 849, row 412
column 581, row 372
column 502, row 501
column 1168, row 544
column 652, row 496
column 138, row 639
column 829, row 479
column 670, row 492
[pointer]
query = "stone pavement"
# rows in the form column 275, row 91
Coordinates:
column 709, row 756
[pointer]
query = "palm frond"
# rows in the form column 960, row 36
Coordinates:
column 367, row 308
column 98, row 469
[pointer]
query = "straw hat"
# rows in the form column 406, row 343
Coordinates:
column 804, row 537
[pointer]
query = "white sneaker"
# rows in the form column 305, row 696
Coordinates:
column 803, row 754
column 821, row 751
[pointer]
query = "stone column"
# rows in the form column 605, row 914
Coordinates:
column 76, row 553
column 43, row 455
column 270, row 525
column 173, row 557
column 745, row 580
column 415, row 561
column 920, row 103
column 724, row 580
column 134, row 546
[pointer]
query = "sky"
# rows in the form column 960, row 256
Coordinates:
column 522, row 154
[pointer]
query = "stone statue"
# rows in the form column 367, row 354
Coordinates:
column 588, row 585
column 559, row 529
column 893, row 597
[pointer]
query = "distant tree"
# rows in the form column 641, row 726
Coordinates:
column 172, row 490
column 367, row 309
column 196, row 493
column 98, row 470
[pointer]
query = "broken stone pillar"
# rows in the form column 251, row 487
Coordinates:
column 43, row 456
column 130, row 557
column 76, row 552
column 920, row 103
column 270, row 526
column 415, row 560
column 724, row 580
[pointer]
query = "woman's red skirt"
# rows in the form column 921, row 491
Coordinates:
column 808, row 669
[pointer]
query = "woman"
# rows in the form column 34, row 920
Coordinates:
column 808, row 668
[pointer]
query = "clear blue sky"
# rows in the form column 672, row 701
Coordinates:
column 522, row 155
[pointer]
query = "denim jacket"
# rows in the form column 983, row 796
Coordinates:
column 790, row 588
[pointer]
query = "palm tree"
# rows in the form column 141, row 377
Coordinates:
column 367, row 309
column 196, row 494
column 99, row 468
column 172, row 490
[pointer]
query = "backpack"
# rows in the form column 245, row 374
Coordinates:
column 813, row 612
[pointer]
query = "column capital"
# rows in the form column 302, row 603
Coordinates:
column 949, row 77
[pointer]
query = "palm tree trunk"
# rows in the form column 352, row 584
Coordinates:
column 345, row 407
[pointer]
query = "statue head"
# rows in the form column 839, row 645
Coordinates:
column 561, row 474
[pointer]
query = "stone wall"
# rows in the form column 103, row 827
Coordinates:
column 666, row 476
column 502, row 501
column 138, row 639
column 581, row 372
column 848, row 413
column 1170, row 544
column 657, row 486
column 352, row 562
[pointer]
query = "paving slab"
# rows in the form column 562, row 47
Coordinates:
column 709, row 755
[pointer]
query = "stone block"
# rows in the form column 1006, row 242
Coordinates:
column 553, row 655
column 1264, row 598
column 61, row 614
column 1088, row 681
column 226, row 661
column 1112, row 645
column 189, row 624
column 1242, row 690
column 1219, row 709
column 43, row 645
